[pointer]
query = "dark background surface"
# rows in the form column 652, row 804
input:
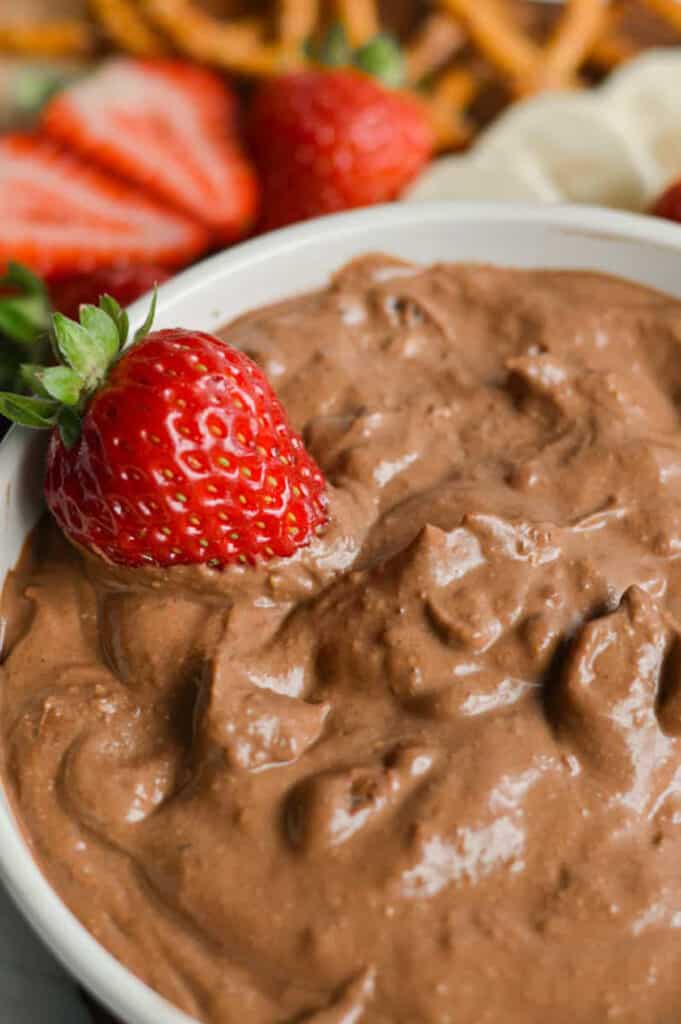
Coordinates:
column 99, row 1016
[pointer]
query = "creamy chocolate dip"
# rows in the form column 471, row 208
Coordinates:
column 429, row 770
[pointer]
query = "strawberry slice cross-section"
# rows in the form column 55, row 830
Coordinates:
column 169, row 127
column 57, row 214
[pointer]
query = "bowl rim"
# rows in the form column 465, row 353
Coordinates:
column 82, row 955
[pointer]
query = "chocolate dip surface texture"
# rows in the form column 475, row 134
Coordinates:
column 429, row 770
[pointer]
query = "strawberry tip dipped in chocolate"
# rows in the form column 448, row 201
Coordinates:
column 175, row 451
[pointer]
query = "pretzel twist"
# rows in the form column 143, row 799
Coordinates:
column 613, row 46
column 582, row 24
column 574, row 37
column 69, row 38
column 668, row 10
column 237, row 46
column 438, row 40
column 448, row 103
column 500, row 40
column 586, row 30
column 125, row 26
column 360, row 19
column 297, row 20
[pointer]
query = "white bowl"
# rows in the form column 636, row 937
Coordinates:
column 298, row 259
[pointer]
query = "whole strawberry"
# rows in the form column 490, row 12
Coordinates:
column 325, row 141
column 174, row 452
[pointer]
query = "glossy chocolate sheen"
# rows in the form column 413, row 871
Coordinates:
column 429, row 770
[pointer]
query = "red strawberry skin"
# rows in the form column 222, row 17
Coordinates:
column 58, row 215
column 169, row 127
column 125, row 283
column 669, row 203
column 332, row 140
column 186, row 457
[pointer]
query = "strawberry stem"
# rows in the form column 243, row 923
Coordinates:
column 382, row 58
column 335, row 50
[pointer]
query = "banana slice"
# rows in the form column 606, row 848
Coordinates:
column 645, row 99
column 473, row 177
column 575, row 143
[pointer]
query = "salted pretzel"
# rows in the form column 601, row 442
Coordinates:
column 448, row 103
column 297, row 22
column 505, row 46
column 669, row 10
column 127, row 28
column 68, row 38
column 450, row 50
column 240, row 45
column 360, row 18
column 436, row 42
column 614, row 46
column 583, row 22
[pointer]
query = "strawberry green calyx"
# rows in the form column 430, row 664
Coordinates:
column 57, row 395
column 381, row 58
column 24, row 322
column 31, row 89
column 335, row 51
column 24, row 311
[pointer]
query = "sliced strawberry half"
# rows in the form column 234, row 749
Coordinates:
column 56, row 214
column 168, row 126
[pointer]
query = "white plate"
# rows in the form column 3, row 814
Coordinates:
column 642, row 248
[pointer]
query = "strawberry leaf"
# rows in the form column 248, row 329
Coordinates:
column 25, row 310
column 9, row 366
column 86, row 351
column 58, row 382
column 69, row 426
column 33, row 87
column 142, row 331
column 29, row 412
column 382, row 58
column 29, row 376
column 82, row 351
column 23, row 318
column 335, row 50
column 19, row 276
column 118, row 315
column 102, row 327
